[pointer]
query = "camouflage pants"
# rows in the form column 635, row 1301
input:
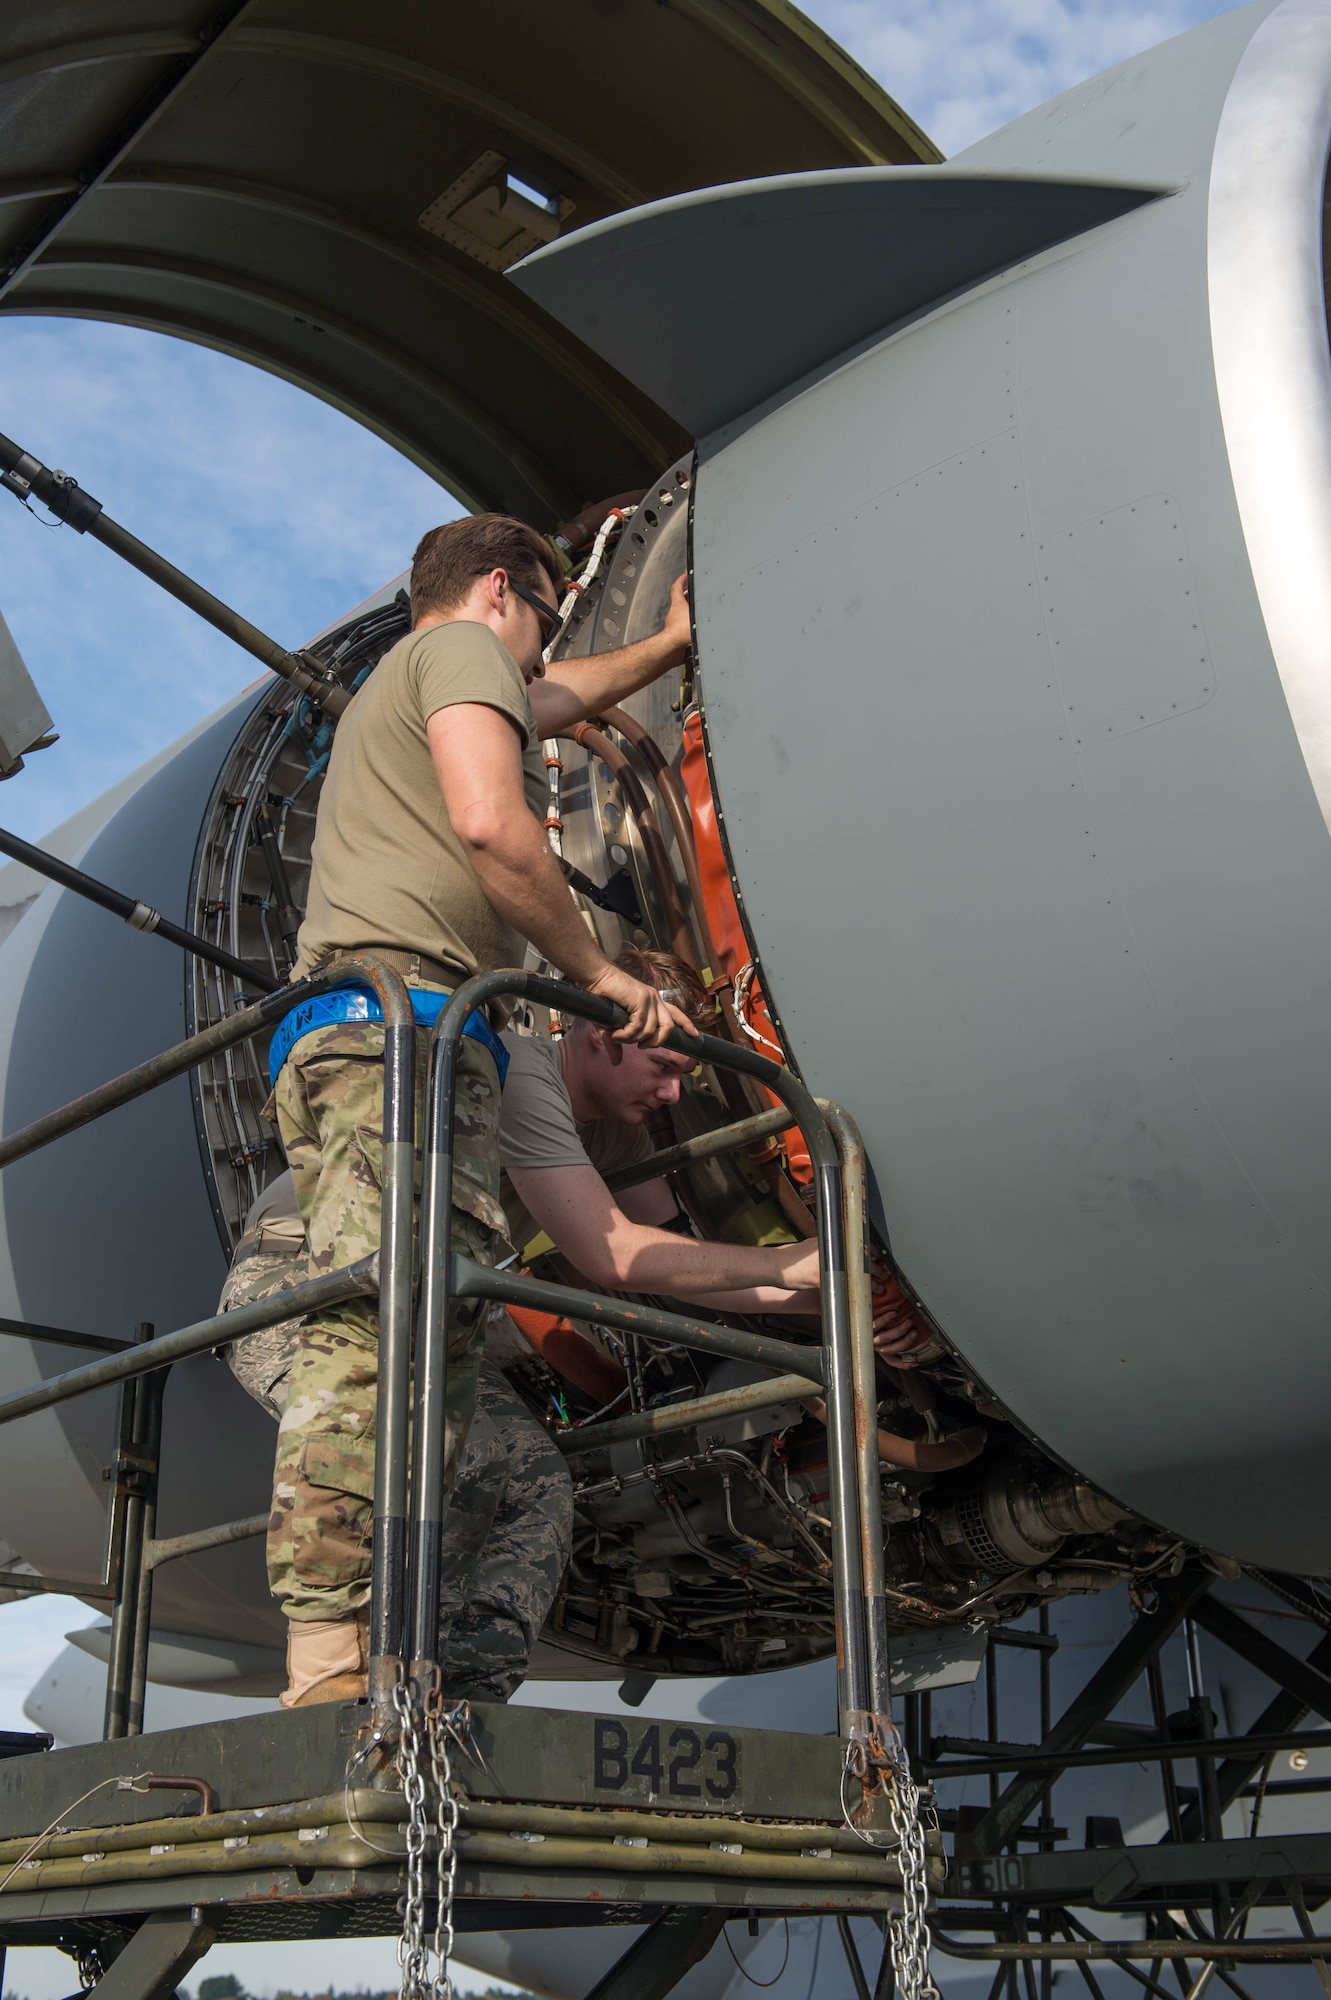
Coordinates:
column 329, row 1101
column 509, row 1526
column 506, row 1546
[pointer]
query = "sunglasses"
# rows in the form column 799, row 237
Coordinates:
column 553, row 620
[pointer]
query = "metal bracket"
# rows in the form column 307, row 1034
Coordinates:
column 655, row 1963
column 164, row 1948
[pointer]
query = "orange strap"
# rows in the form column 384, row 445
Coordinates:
column 723, row 914
column 570, row 1353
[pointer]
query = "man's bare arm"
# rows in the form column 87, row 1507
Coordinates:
column 478, row 761
column 572, row 690
column 577, row 1211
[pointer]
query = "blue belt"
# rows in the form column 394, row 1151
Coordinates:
column 361, row 1003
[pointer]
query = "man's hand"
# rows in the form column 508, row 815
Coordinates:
column 651, row 1018
column 896, row 1332
column 573, row 691
column 677, row 632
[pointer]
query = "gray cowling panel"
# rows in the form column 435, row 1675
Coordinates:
column 112, row 1224
column 715, row 301
column 1073, row 978
column 1027, row 839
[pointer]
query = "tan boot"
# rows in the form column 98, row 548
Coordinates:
column 327, row 1660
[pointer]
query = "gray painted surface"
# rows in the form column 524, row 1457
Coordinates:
column 716, row 300
column 82, row 998
column 1027, row 838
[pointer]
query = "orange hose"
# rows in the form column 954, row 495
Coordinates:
column 582, row 528
column 944, row 1456
column 570, row 1353
column 722, row 912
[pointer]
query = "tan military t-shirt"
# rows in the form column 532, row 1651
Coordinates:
column 388, row 869
column 537, row 1128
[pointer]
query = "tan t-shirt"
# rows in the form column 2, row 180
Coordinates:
column 537, row 1129
column 388, row 869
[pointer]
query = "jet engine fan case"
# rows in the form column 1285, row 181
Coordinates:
column 1017, row 752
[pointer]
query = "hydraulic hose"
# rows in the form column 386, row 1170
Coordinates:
column 920, row 1456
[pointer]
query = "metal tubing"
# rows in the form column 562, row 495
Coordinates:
column 684, row 1416
column 389, row 1272
column 1284, row 1712
column 1286, row 1669
column 358, row 1280
column 852, row 1957
column 868, row 1466
column 284, row 906
column 681, row 1858
column 56, row 1586
column 1252, row 1748
column 125, row 1548
column 56, row 493
column 706, row 1146
column 139, row 916
column 1256, row 1951
column 438, row 1291
column 59, row 1336
column 388, row 1600
column 854, row 1689
column 1097, row 1700
column 159, row 1069
column 190, row 1829
column 477, row 1281
column 156, row 1552
column 786, row 1836
column 120, row 1655
column 151, row 1392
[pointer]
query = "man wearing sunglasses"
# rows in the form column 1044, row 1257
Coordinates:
column 430, row 851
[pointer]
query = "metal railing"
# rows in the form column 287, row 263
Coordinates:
column 844, row 1364
column 133, row 1550
column 411, row 1434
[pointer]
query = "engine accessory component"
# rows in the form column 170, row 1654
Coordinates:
column 570, row 1353
column 1021, row 1514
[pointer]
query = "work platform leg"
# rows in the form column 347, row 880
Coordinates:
column 162, row 1950
column 656, row 1962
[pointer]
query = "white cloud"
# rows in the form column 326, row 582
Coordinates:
column 32, row 1633
column 285, row 508
column 964, row 67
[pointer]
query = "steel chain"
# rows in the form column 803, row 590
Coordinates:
column 439, row 1727
column 412, row 1955
column 908, row 1929
column 91, row 1969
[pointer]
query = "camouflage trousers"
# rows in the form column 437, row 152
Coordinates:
column 329, row 1102
column 510, row 1523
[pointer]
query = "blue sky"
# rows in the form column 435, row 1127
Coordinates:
column 964, row 67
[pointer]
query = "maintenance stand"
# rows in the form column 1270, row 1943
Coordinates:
column 408, row 1814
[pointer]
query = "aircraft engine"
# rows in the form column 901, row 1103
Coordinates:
column 995, row 799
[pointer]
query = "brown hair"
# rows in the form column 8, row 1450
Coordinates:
column 668, row 974
column 448, row 560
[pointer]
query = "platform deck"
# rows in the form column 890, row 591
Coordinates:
column 307, row 1837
